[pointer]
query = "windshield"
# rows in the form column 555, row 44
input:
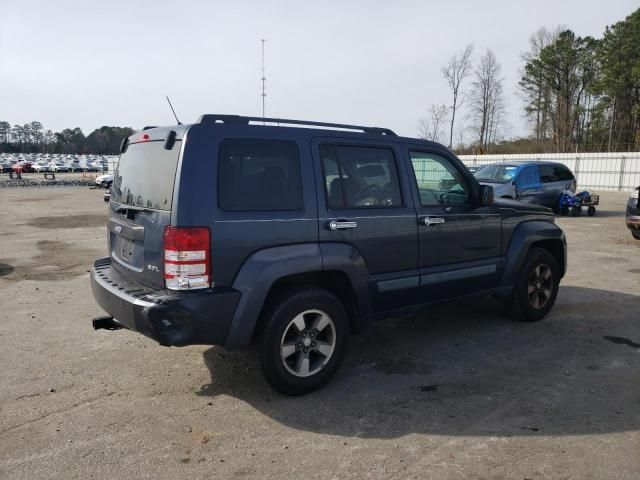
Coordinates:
column 145, row 175
column 496, row 173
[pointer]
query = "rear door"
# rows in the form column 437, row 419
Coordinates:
column 140, row 206
column 364, row 201
column 556, row 178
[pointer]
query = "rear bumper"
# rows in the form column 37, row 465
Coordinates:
column 171, row 318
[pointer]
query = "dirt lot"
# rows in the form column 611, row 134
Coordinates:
column 459, row 391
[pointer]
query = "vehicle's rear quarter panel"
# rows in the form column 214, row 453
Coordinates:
column 237, row 235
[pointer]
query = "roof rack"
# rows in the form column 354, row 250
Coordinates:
column 215, row 118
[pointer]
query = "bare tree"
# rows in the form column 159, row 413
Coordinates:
column 431, row 127
column 487, row 100
column 454, row 73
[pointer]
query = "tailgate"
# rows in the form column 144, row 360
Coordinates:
column 140, row 205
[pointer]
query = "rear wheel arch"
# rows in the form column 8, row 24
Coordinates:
column 335, row 282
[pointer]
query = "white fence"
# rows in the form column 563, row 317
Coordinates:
column 599, row 171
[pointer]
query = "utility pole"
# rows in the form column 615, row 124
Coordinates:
column 264, row 78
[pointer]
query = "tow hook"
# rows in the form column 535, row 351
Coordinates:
column 106, row 323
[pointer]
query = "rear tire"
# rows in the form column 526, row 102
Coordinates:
column 576, row 211
column 303, row 340
column 591, row 211
column 536, row 288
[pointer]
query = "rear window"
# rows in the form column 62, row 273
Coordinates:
column 259, row 175
column 145, row 175
column 554, row 173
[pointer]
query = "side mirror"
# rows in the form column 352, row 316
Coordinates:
column 486, row 195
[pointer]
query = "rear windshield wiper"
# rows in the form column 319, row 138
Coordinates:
column 131, row 208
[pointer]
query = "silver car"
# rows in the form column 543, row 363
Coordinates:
column 536, row 182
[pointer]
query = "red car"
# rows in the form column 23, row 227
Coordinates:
column 22, row 167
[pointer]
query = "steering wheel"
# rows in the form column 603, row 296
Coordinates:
column 371, row 191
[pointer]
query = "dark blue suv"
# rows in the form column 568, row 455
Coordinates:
column 291, row 235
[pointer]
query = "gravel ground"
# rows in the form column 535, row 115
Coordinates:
column 459, row 391
column 37, row 180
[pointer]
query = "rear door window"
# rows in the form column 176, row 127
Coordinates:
column 259, row 175
column 548, row 173
column 360, row 177
column 562, row 173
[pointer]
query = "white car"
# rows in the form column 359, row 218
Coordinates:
column 58, row 167
column 40, row 167
column 105, row 180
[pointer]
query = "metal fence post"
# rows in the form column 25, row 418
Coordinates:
column 622, row 165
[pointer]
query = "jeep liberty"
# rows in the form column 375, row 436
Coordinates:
column 289, row 235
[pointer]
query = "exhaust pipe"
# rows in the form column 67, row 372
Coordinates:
column 106, row 323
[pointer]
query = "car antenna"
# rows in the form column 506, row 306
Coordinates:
column 174, row 112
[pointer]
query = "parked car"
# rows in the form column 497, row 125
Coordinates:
column 40, row 167
column 290, row 238
column 473, row 168
column 77, row 166
column 58, row 166
column 633, row 214
column 27, row 166
column 542, row 183
column 105, row 181
column 6, row 167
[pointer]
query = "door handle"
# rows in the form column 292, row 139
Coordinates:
column 431, row 221
column 341, row 225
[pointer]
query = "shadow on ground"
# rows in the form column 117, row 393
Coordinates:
column 467, row 369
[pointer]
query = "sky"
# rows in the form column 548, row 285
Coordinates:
column 92, row 63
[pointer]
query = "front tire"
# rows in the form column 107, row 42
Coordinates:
column 303, row 340
column 636, row 234
column 536, row 288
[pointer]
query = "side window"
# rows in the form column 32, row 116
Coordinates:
column 439, row 182
column 259, row 175
column 547, row 173
column 527, row 177
column 562, row 173
column 360, row 177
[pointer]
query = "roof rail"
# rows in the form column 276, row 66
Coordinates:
column 215, row 118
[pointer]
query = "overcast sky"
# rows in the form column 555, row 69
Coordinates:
column 110, row 62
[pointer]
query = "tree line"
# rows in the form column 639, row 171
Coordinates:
column 33, row 138
column 578, row 93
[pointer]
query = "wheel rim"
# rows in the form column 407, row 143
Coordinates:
column 540, row 286
column 308, row 343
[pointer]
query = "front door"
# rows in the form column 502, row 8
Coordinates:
column 364, row 201
column 459, row 239
column 528, row 186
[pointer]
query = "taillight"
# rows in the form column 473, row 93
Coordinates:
column 187, row 257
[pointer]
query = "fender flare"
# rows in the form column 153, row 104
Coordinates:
column 256, row 276
column 525, row 235
column 264, row 268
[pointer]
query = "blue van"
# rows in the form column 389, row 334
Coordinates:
column 536, row 182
